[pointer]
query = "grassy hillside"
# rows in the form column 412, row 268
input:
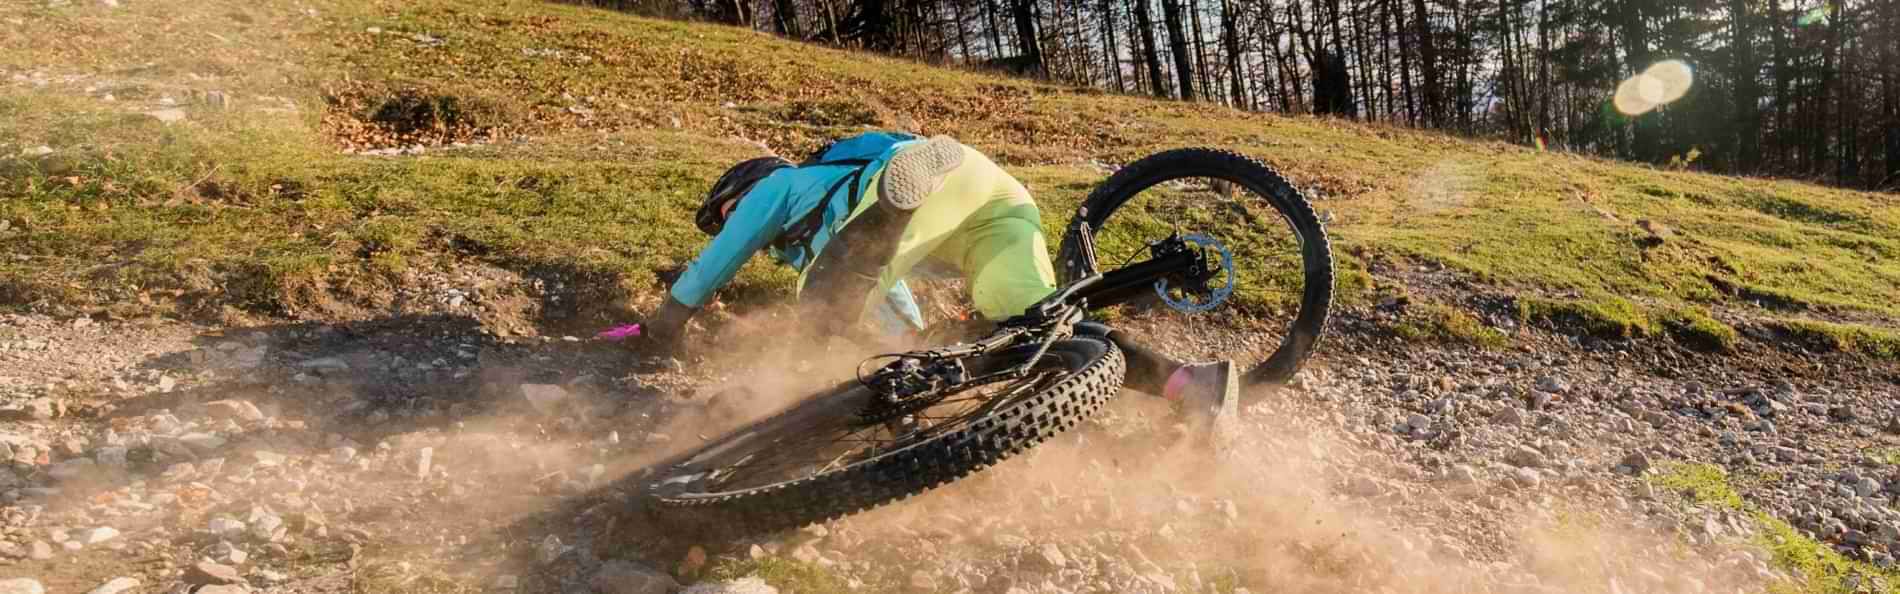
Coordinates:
column 592, row 136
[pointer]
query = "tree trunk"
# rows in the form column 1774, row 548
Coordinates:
column 1114, row 47
column 1200, row 50
column 1230, row 34
column 996, row 29
column 1745, row 71
column 1428, row 64
column 1023, row 12
column 1397, row 10
column 1149, row 53
column 1177, row 45
column 1635, row 34
column 1890, row 97
column 785, row 17
column 831, row 19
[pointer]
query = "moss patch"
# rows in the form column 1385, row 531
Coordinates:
column 1603, row 317
column 1692, row 326
column 1878, row 343
column 1435, row 322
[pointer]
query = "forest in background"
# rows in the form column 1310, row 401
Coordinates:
column 1805, row 89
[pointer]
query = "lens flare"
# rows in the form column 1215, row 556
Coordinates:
column 1661, row 83
column 1673, row 77
column 1629, row 99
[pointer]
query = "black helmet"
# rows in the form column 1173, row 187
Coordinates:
column 734, row 184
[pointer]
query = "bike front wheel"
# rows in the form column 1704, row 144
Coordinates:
column 841, row 451
column 1272, row 310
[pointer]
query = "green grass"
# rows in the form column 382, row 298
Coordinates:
column 1693, row 327
column 785, row 574
column 1850, row 338
column 1890, row 456
column 1602, row 316
column 1435, row 322
column 611, row 126
column 1817, row 567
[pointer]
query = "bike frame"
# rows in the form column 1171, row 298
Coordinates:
column 917, row 374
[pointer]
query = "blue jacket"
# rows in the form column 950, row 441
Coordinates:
column 776, row 204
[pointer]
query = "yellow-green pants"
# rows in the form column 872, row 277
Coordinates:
column 983, row 222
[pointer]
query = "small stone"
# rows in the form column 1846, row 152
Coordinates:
column 225, row 552
column 39, row 550
column 1462, row 474
column 1866, row 487
column 1051, row 556
column 116, row 586
column 241, row 410
column 1552, row 384
column 1418, row 422
column 1508, row 416
column 100, row 534
column 806, row 553
column 1527, row 478
column 343, row 455
column 1636, row 461
column 1525, row 456
column 749, row 585
column 266, row 459
column 266, row 527
column 21, row 586
column 506, row 582
column 166, row 383
column 201, row 442
column 325, row 364
column 206, row 572
column 624, row 577
column 226, row 527
column 425, row 461
column 549, row 549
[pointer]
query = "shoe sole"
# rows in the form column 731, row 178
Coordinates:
column 917, row 171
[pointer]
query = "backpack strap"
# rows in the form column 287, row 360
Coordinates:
column 800, row 234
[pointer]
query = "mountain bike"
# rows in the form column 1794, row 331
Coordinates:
column 924, row 418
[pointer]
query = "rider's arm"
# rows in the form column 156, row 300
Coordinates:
column 758, row 218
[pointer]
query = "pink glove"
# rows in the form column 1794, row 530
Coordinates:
column 619, row 333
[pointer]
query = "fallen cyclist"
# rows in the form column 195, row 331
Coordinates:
column 879, row 204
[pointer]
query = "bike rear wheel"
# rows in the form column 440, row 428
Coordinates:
column 835, row 453
column 1279, row 248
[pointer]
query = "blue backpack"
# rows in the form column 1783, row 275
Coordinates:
column 851, row 151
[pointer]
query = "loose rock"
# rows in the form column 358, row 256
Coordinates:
column 206, row 572
column 624, row 577
column 115, row 586
column 749, row 585
column 21, row 586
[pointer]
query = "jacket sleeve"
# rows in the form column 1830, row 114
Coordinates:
column 758, row 218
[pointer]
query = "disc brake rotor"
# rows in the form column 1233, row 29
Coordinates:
column 1213, row 296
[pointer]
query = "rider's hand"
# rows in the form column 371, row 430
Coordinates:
column 661, row 333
